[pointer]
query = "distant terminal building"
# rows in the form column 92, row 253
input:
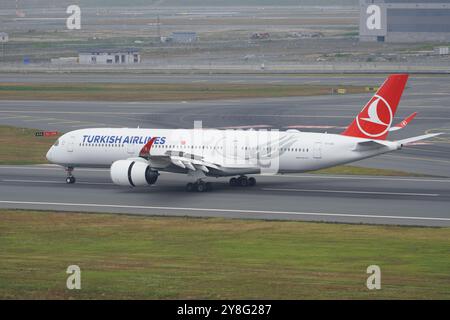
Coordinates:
column 184, row 37
column 4, row 37
column 109, row 56
column 442, row 50
column 404, row 20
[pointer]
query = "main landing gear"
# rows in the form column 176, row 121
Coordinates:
column 242, row 181
column 70, row 178
column 199, row 186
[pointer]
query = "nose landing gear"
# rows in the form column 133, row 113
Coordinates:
column 70, row 178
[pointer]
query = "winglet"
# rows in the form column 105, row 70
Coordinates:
column 145, row 151
column 403, row 123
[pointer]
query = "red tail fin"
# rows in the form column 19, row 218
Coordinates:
column 376, row 117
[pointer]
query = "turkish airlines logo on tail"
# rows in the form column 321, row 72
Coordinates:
column 376, row 117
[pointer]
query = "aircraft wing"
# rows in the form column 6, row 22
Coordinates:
column 192, row 163
column 418, row 138
column 187, row 162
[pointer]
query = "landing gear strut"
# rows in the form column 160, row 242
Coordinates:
column 243, row 181
column 70, row 178
column 199, row 186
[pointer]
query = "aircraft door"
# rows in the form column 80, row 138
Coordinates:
column 317, row 150
column 70, row 144
column 130, row 148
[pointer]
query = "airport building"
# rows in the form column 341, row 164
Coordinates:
column 404, row 20
column 109, row 56
column 184, row 37
column 4, row 37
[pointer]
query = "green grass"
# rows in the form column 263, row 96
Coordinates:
column 170, row 258
column 159, row 92
column 21, row 146
column 363, row 171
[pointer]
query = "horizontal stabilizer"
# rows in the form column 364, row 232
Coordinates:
column 403, row 123
column 418, row 138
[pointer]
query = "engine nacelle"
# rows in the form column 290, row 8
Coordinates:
column 133, row 173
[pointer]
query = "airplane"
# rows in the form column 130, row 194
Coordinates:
column 136, row 156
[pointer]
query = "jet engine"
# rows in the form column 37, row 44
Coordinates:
column 133, row 173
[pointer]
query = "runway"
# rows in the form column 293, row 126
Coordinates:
column 429, row 95
column 306, row 197
column 385, row 200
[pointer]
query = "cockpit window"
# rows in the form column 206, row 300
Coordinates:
column 56, row 143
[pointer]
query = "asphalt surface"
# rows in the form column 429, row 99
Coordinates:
column 417, row 201
column 429, row 95
column 356, row 199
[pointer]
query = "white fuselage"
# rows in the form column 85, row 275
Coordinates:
column 235, row 151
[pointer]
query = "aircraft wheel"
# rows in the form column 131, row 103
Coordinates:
column 243, row 181
column 251, row 181
column 233, row 182
column 70, row 180
column 190, row 187
column 201, row 187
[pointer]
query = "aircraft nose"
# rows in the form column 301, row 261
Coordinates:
column 49, row 155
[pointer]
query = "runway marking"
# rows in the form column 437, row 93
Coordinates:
column 423, row 149
column 40, row 119
column 247, row 127
column 354, row 191
column 416, row 158
column 96, row 205
column 51, row 167
column 64, row 122
column 54, row 181
column 14, row 117
column 313, row 127
column 299, row 176
column 222, row 114
column 385, row 178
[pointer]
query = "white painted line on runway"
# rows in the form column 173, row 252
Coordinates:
column 64, row 122
column 355, row 192
column 96, row 205
column 385, row 178
column 415, row 158
column 51, row 167
column 15, row 117
column 40, row 119
column 54, row 181
column 290, row 176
